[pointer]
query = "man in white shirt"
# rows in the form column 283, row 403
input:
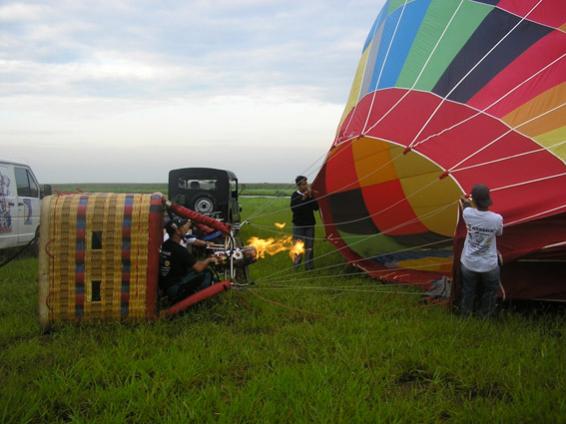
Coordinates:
column 479, row 264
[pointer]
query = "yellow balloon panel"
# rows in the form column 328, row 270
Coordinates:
column 434, row 201
column 356, row 87
column 373, row 161
column 555, row 141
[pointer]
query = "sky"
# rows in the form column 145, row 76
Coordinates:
column 124, row 91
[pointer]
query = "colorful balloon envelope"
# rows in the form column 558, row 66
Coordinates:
column 448, row 94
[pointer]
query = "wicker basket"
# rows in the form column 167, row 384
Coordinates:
column 99, row 257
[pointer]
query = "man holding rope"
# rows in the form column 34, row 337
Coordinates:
column 303, row 205
column 479, row 261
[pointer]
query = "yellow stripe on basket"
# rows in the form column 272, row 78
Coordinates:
column 141, row 286
column 88, row 261
column 137, row 298
column 72, row 247
column 134, row 246
column 54, row 288
column 117, row 249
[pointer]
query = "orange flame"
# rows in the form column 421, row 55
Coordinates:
column 272, row 246
column 280, row 225
column 297, row 249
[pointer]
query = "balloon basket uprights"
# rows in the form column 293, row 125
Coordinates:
column 99, row 258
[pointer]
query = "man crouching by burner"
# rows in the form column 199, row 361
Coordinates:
column 180, row 274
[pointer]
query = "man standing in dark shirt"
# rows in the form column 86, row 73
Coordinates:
column 180, row 275
column 303, row 206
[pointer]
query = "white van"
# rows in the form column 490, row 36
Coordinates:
column 19, row 204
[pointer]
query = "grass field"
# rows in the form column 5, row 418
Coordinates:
column 246, row 189
column 295, row 348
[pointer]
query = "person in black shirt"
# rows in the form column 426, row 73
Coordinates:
column 180, row 275
column 303, row 205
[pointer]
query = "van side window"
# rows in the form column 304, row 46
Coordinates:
column 27, row 187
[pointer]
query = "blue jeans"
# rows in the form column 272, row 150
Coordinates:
column 306, row 235
column 479, row 288
column 190, row 284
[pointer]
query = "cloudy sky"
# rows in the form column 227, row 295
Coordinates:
column 123, row 91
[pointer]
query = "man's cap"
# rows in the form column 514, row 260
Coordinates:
column 299, row 179
column 174, row 224
column 481, row 197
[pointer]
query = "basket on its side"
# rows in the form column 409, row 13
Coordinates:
column 99, row 257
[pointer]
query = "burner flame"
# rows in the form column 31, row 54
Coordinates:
column 272, row 246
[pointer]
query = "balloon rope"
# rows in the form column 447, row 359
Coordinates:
column 501, row 159
column 504, row 158
column 269, row 203
column 269, row 229
column 425, row 125
column 383, row 65
column 350, row 184
column 342, row 264
column 342, row 290
column 454, row 166
column 527, row 218
column 491, row 143
column 534, row 180
column 353, row 111
column 370, row 283
column 418, row 76
column 479, row 112
column 283, row 305
column 355, row 261
column 436, row 211
column 395, row 158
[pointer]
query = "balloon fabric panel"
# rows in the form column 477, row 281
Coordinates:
column 448, row 94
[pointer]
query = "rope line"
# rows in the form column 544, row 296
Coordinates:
column 282, row 305
column 383, row 65
column 308, row 278
column 343, row 290
column 395, row 158
column 534, row 180
column 491, row 143
column 355, row 261
column 484, row 110
column 502, row 159
column 330, row 193
column 434, row 112
column 367, row 238
column 425, row 125
column 517, row 221
column 420, row 73
column 519, row 16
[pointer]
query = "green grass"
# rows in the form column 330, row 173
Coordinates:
column 247, row 189
column 282, row 355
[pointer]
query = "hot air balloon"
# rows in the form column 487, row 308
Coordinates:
column 448, row 94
